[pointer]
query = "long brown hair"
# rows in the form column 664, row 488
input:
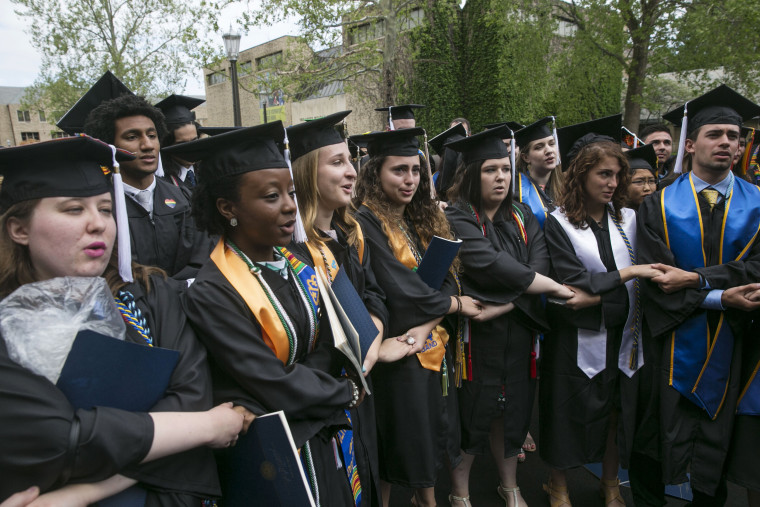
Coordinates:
column 15, row 262
column 424, row 213
column 572, row 197
column 305, row 180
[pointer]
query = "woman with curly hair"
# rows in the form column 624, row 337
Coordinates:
column 415, row 400
column 587, row 393
column 505, row 261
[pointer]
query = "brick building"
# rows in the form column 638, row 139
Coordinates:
column 22, row 125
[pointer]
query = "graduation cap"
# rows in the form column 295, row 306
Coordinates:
column 643, row 157
column 629, row 139
column 515, row 126
column 106, row 88
column 236, row 152
column 68, row 167
column 486, row 145
column 404, row 112
column 177, row 109
column 215, row 131
column 574, row 137
column 399, row 143
column 537, row 130
column 314, row 134
column 454, row 133
column 721, row 105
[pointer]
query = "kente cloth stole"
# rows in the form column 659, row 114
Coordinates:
column 324, row 256
column 250, row 289
column 700, row 357
column 592, row 343
column 434, row 349
column 528, row 194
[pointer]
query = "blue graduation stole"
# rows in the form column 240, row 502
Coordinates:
column 700, row 357
column 528, row 194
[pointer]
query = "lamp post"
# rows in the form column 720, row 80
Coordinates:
column 232, row 46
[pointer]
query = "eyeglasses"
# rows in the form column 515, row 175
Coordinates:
column 640, row 182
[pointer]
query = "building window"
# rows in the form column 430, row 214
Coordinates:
column 42, row 115
column 566, row 28
column 216, row 78
column 30, row 136
column 367, row 32
column 269, row 61
column 57, row 134
column 23, row 115
column 246, row 67
column 414, row 19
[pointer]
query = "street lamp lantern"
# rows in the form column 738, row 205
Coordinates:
column 232, row 47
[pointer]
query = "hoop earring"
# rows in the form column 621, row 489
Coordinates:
column 233, row 222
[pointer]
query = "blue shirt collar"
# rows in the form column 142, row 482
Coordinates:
column 722, row 187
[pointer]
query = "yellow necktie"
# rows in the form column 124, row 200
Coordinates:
column 711, row 195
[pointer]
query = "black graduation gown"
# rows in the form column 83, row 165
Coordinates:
column 417, row 426
column 170, row 239
column 690, row 440
column 188, row 477
column 246, row 371
column 38, row 424
column 499, row 267
column 363, row 417
column 574, row 409
column 172, row 170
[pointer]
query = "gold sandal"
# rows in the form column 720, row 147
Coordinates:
column 610, row 491
column 464, row 499
column 505, row 493
column 558, row 497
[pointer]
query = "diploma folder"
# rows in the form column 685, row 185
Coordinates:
column 355, row 311
column 106, row 372
column 264, row 468
column 437, row 260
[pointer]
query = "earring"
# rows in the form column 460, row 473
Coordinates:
column 233, row 222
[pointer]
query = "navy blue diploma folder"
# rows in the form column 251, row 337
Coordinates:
column 356, row 312
column 437, row 260
column 106, row 372
column 263, row 468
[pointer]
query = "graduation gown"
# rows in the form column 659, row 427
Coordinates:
column 417, row 426
column 574, row 409
column 172, row 170
column 499, row 268
column 363, row 417
column 246, row 371
column 545, row 195
column 170, row 239
column 47, row 443
column 690, row 440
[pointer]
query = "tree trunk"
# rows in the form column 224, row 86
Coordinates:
column 637, row 74
column 388, row 88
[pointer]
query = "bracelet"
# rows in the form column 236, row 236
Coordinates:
column 459, row 304
column 354, row 394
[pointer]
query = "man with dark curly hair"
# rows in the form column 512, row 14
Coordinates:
column 162, row 230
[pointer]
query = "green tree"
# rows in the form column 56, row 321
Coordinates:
column 432, row 75
column 151, row 45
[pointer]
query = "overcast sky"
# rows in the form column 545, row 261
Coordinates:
column 19, row 62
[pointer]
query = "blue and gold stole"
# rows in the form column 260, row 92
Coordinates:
column 700, row 357
column 527, row 193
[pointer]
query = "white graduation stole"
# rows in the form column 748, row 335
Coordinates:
column 592, row 343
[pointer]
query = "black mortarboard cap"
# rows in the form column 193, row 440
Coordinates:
column 399, row 143
column 574, row 137
column 315, row 134
column 721, row 105
column 177, row 109
column 453, row 134
column 404, row 112
column 643, row 157
column 483, row 145
column 215, row 131
column 515, row 126
column 68, row 167
column 237, row 152
column 746, row 131
column 536, row 130
column 106, row 88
